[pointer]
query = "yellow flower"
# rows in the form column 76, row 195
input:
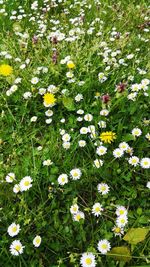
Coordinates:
column 107, row 137
column 5, row 70
column 49, row 99
column 70, row 64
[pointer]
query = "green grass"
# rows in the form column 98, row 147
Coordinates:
column 45, row 208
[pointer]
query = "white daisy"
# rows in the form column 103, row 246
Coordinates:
column 13, row 229
column 134, row 160
column 118, row 153
column 98, row 163
column 121, row 211
column 63, row 179
column 84, row 130
column 97, row 209
column 88, row 260
column 101, row 150
column 10, row 177
column 103, row 188
column 123, row 146
column 82, row 143
column 104, row 246
column 88, row 117
column 136, row 132
column 78, row 216
column 122, row 221
column 35, row 80
column 66, row 145
column 145, row 163
column 118, row 231
column 25, row 183
column 37, row 241
column 75, row 174
column 104, row 112
column 102, row 124
column 74, row 209
column 16, row 188
column 16, row 248
column 66, row 137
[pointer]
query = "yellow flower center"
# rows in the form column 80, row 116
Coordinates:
column 103, row 188
column 78, row 217
column 104, row 246
column 97, row 209
column 63, row 179
column 117, row 230
column 5, row 70
column 38, row 240
column 88, row 261
column 14, row 229
column 26, row 183
column 17, row 247
column 121, row 212
column 49, row 99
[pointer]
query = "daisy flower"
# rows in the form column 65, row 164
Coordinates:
column 104, row 246
column 66, row 145
column 121, row 221
column 121, row 211
column 13, row 229
column 74, row 209
column 98, row 163
column 35, row 80
column 88, row 260
column 82, row 143
column 37, row 241
column 84, row 130
column 108, row 137
column 25, row 183
column 118, row 231
column 16, row 188
column 78, row 216
column 118, row 153
column 66, row 137
column 10, row 177
column 145, row 163
column 97, row 209
column 136, row 132
column 103, row 188
column 75, row 174
column 133, row 160
column 63, row 179
column 123, row 146
column 16, row 248
column 104, row 112
column 101, row 150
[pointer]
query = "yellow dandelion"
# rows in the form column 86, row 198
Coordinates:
column 107, row 137
column 5, row 70
column 49, row 99
column 70, row 64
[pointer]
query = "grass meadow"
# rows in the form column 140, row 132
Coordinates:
column 75, row 133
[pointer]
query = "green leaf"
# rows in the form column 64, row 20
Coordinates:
column 136, row 235
column 68, row 103
column 128, row 137
column 121, row 253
